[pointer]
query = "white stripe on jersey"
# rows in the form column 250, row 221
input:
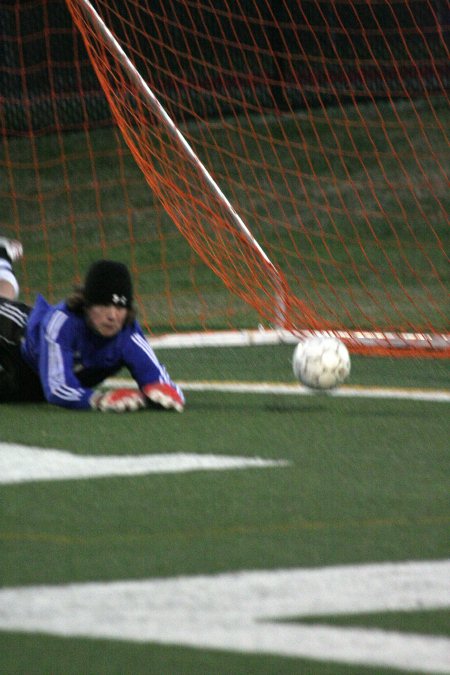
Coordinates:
column 56, row 373
column 142, row 343
column 13, row 314
column 54, row 325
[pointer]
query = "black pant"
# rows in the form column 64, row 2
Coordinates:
column 18, row 382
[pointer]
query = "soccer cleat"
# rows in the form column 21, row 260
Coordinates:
column 10, row 249
column 164, row 396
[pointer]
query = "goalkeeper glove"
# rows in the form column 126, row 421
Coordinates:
column 164, row 396
column 118, row 400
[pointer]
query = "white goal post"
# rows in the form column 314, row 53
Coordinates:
column 157, row 108
column 277, row 333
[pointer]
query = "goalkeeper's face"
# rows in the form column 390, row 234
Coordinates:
column 106, row 320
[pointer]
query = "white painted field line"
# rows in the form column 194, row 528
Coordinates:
column 293, row 389
column 23, row 464
column 244, row 611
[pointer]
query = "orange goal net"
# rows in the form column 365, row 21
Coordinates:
column 283, row 164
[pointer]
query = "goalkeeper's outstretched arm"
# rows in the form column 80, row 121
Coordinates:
column 61, row 353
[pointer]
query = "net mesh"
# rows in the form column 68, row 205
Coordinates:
column 252, row 163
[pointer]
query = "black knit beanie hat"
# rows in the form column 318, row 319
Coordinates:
column 108, row 283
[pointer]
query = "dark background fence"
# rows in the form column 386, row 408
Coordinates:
column 212, row 62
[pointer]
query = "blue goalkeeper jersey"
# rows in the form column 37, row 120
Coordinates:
column 71, row 358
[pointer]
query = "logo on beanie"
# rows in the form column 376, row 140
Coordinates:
column 108, row 283
column 119, row 300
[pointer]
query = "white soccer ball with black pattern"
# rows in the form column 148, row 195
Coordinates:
column 321, row 362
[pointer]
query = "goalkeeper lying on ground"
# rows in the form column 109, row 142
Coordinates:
column 60, row 353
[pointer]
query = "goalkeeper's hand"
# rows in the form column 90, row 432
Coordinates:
column 164, row 396
column 118, row 400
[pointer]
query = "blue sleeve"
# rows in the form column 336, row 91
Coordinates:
column 61, row 386
column 142, row 361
